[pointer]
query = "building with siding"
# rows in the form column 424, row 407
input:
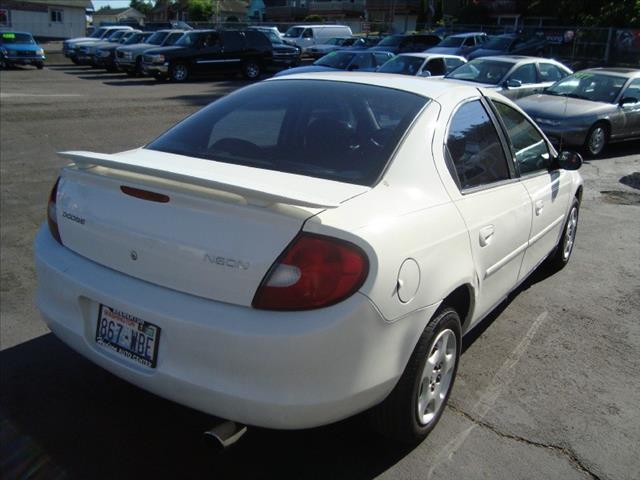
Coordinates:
column 45, row 19
column 116, row 15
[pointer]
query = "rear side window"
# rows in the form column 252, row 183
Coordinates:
column 531, row 150
column 475, row 156
column 233, row 41
column 345, row 131
column 435, row 66
column 257, row 39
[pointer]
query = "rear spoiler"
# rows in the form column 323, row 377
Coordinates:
column 257, row 186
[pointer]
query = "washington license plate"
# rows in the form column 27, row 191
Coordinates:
column 128, row 336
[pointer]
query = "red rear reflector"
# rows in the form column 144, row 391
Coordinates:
column 313, row 272
column 145, row 194
column 52, row 218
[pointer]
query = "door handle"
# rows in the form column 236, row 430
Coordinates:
column 539, row 207
column 486, row 234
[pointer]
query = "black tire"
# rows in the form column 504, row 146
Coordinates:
column 179, row 73
column 251, row 70
column 138, row 68
column 131, row 73
column 75, row 61
column 397, row 416
column 39, row 66
column 592, row 146
column 560, row 257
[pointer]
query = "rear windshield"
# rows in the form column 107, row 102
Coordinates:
column 452, row 42
column 403, row 64
column 345, row 131
column 482, row 70
column 9, row 38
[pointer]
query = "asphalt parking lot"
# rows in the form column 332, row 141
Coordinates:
column 547, row 386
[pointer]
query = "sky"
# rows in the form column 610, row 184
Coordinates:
column 97, row 4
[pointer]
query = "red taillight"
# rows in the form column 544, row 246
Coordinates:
column 52, row 218
column 314, row 271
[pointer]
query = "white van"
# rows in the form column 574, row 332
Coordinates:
column 306, row 35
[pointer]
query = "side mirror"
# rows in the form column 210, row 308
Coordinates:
column 569, row 160
column 627, row 101
column 512, row 83
column 425, row 73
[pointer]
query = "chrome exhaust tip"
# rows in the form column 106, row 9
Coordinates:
column 224, row 434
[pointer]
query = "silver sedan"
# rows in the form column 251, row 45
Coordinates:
column 589, row 109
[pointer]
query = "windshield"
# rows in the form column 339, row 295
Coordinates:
column 294, row 32
column 345, row 131
column 9, row 38
column 451, row 42
column 402, row 64
column 117, row 35
column 157, row 38
column 173, row 38
column 498, row 43
column 189, row 39
column 98, row 33
column 135, row 38
column 391, row 41
column 273, row 38
column 339, row 60
column 482, row 71
column 588, row 86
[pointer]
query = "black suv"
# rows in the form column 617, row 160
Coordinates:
column 202, row 52
column 407, row 43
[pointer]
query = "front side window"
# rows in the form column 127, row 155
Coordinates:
column 475, row 156
column 361, row 61
column 157, row 38
column 345, row 132
column 172, row 38
column 532, row 153
column 308, row 33
column 338, row 60
column 633, row 90
column 525, row 74
column 4, row 17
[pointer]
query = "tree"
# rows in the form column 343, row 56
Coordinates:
column 200, row 10
column 314, row 18
column 592, row 13
column 143, row 6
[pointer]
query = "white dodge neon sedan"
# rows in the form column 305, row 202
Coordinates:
column 306, row 248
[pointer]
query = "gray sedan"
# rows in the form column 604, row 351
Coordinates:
column 512, row 75
column 589, row 108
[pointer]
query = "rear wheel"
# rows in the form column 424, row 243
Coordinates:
column 597, row 139
column 251, row 70
column 179, row 72
column 416, row 403
column 138, row 69
column 561, row 256
column 40, row 65
column 75, row 61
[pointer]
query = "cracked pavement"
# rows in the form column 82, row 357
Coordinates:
column 547, row 386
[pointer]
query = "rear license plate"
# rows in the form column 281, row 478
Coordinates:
column 127, row 335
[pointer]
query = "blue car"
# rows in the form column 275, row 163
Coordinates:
column 19, row 48
column 343, row 60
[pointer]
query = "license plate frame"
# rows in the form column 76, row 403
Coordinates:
column 127, row 335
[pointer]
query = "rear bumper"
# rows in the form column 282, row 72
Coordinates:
column 272, row 369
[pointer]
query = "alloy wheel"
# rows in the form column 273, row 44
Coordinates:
column 437, row 376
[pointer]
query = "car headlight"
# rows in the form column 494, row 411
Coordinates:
column 104, row 53
column 40, row 51
column 3, row 51
column 128, row 55
column 157, row 58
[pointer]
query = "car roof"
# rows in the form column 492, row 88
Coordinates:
column 428, row 55
column 16, row 31
column 513, row 58
column 407, row 83
column 469, row 34
column 625, row 72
